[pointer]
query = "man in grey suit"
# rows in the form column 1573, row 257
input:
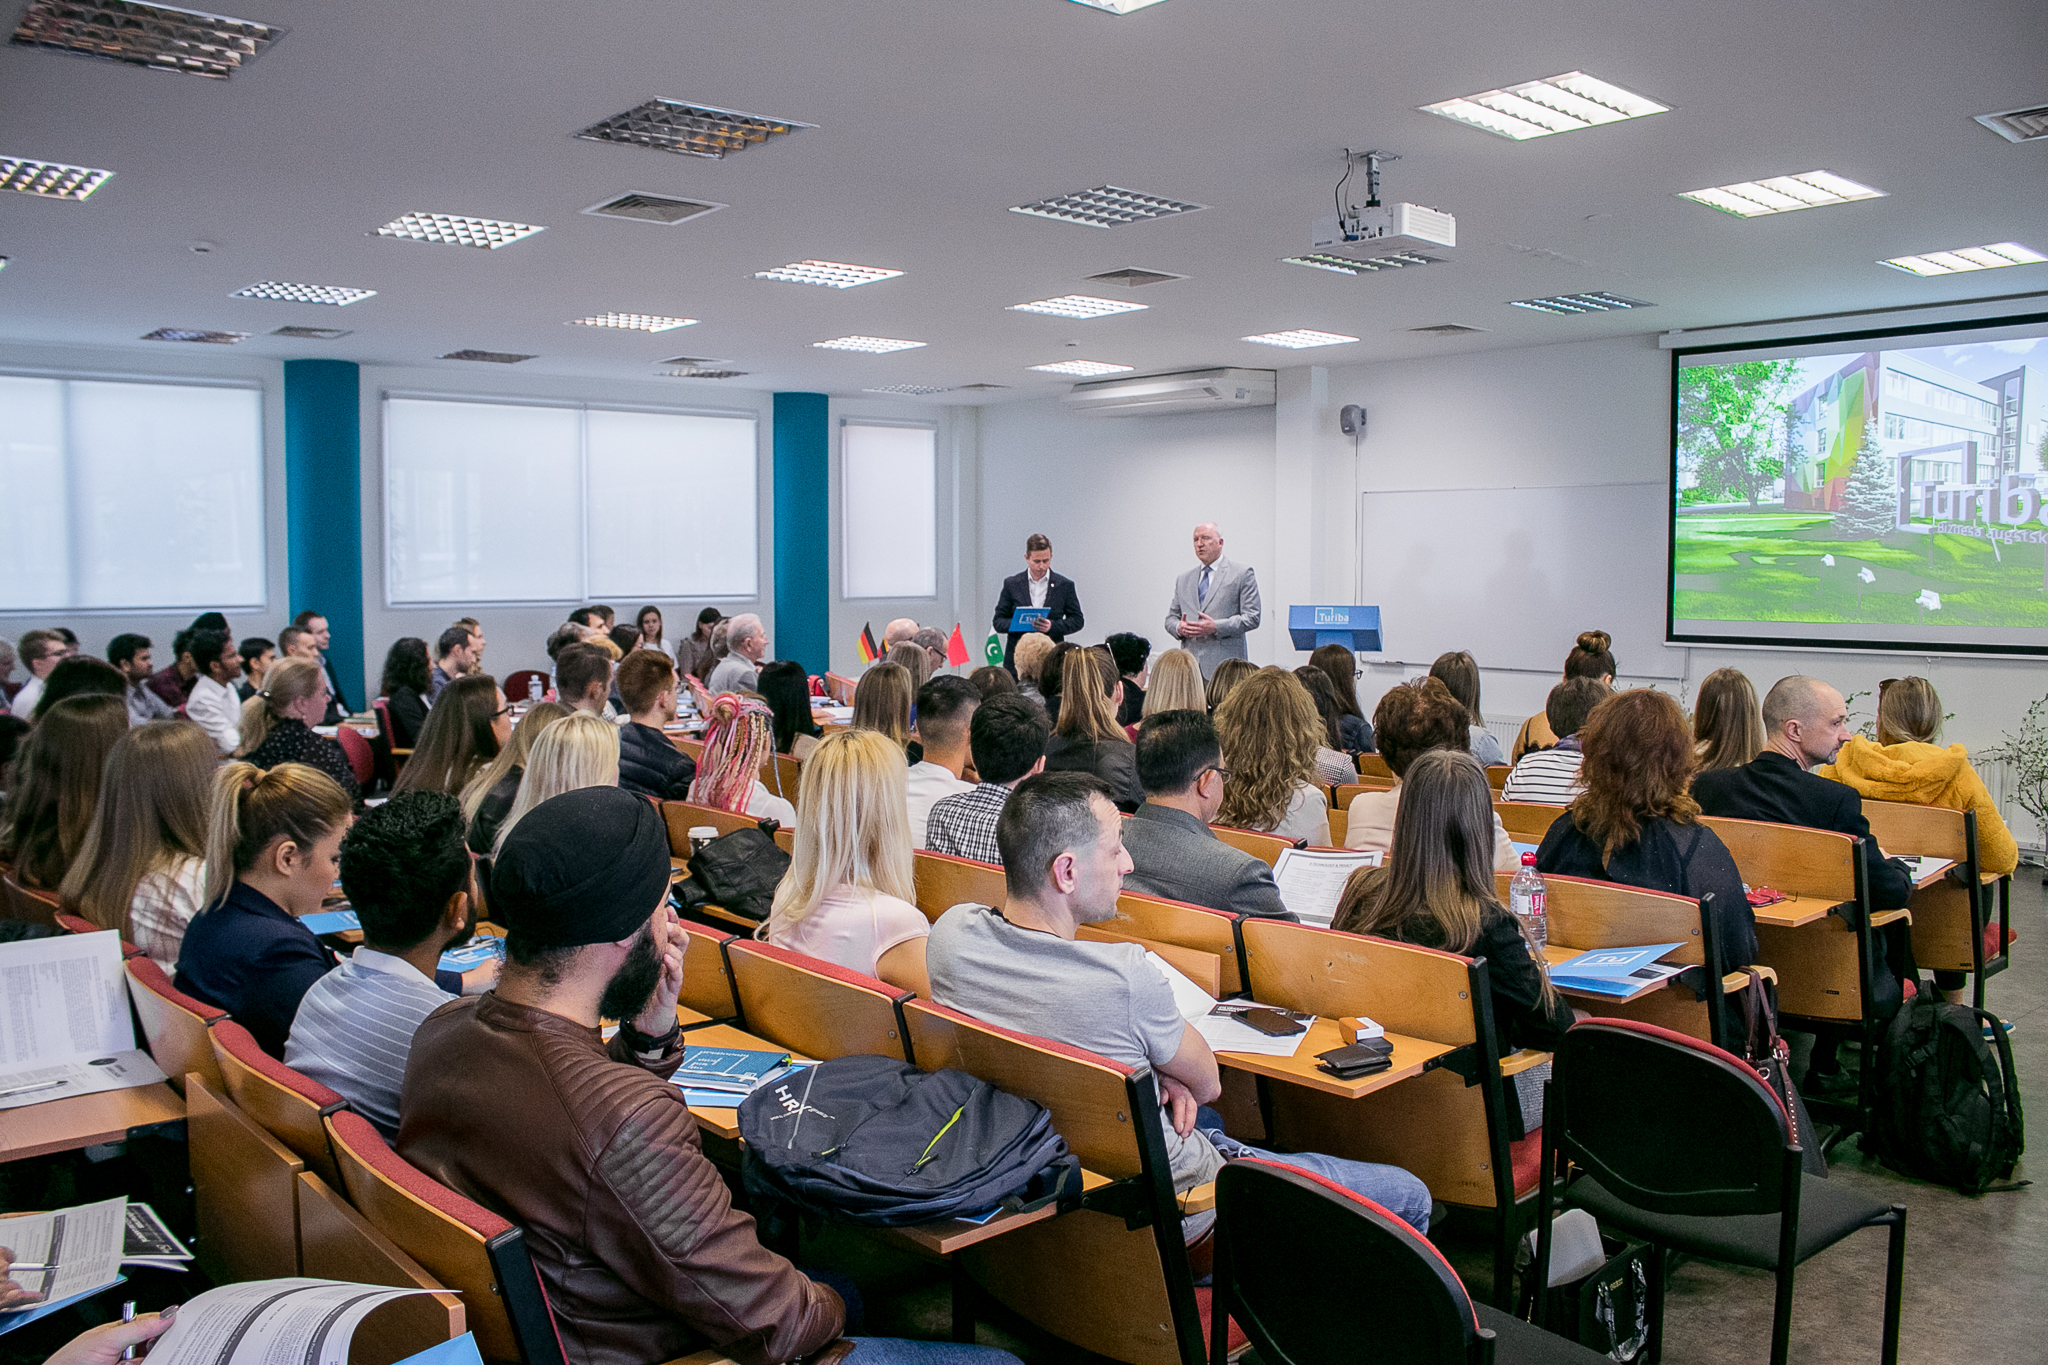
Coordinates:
column 1214, row 603
column 1173, row 851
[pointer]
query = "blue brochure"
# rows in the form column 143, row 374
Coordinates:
column 1618, row 972
column 1026, row 618
column 331, row 921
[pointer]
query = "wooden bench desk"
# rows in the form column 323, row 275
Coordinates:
column 725, row 1123
column 77, row 1121
column 1412, row 1057
column 1794, row 912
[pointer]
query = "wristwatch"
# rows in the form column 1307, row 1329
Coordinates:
column 638, row 1042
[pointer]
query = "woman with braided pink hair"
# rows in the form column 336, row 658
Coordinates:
column 740, row 740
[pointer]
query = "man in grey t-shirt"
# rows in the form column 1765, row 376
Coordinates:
column 1061, row 840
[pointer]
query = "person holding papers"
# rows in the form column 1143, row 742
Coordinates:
column 1048, row 600
column 1173, row 851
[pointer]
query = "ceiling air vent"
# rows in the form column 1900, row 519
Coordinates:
column 193, row 334
column 652, row 208
column 1446, row 329
column 694, row 373
column 907, row 390
column 1134, row 277
column 2018, row 125
column 487, row 357
column 312, row 333
column 979, row 388
column 154, row 36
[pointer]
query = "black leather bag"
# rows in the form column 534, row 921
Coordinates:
column 736, row 872
column 1771, row 1057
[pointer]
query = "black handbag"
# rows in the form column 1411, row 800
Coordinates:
column 736, row 872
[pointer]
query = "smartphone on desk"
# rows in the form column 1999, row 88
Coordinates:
column 1272, row 1023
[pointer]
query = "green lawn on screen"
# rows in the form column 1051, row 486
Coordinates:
column 1770, row 566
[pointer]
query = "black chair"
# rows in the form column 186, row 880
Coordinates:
column 1392, row 1299
column 1683, row 1146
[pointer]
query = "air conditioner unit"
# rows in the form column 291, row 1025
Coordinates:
column 1189, row 391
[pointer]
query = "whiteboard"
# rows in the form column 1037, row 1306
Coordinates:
column 1514, row 574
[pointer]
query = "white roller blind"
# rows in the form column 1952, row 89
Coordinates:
column 130, row 495
column 672, row 501
column 889, row 495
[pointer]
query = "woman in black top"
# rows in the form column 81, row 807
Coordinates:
column 407, row 676
column 1087, row 738
column 277, row 724
column 488, row 797
column 1132, row 653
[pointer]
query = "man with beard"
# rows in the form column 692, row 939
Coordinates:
column 407, row 873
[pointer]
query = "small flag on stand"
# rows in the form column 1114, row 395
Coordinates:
column 956, row 649
column 866, row 644
column 992, row 650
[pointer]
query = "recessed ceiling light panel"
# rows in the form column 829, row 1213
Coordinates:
column 1782, row 194
column 50, row 179
column 194, row 334
column 831, row 274
column 1134, row 278
column 689, row 129
column 1105, row 206
column 487, row 357
column 1365, row 265
column 1117, row 6
column 1560, row 104
column 634, row 322
column 908, row 390
column 456, row 230
column 2018, row 125
column 665, row 210
column 1966, row 258
column 155, row 36
column 1077, row 306
column 337, row 295
column 1597, row 301
column 312, row 333
column 870, row 345
column 1083, row 368
column 1300, row 338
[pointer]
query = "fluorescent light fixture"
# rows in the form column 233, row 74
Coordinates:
column 701, row 374
column 312, row 333
column 154, row 36
column 1117, row 6
column 870, row 345
column 193, row 334
column 634, row 322
column 1105, row 206
column 831, row 274
column 1077, row 306
column 1597, row 301
column 1782, row 194
column 1368, row 265
column 1966, row 258
column 456, row 230
column 908, row 390
column 50, row 179
column 487, row 357
column 1561, row 104
column 338, row 295
column 1300, row 338
column 688, row 129
column 1084, row 368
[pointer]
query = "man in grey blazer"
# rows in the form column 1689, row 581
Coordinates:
column 1214, row 603
column 1173, row 851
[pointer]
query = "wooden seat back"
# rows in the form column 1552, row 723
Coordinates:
column 289, row 1106
column 26, row 903
column 1527, row 821
column 244, row 1190
column 1584, row 914
column 1820, row 966
column 839, row 689
column 174, row 1026
column 1372, row 765
column 944, row 881
column 707, row 981
column 73, row 924
column 682, row 816
column 1342, row 797
column 1497, row 775
column 1267, row 848
column 1790, row 858
column 1910, row 831
column 694, row 748
column 337, row 1243
column 1947, row 920
column 1158, row 920
column 813, row 1007
column 782, row 775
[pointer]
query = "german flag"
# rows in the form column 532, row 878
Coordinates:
column 866, row 644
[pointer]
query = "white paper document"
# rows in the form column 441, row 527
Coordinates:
column 1920, row 869
column 82, row 1245
column 1225, row 1031
column 260, row 1322
column 1193, row 1001
column 1312, row 881
column 64, row 1023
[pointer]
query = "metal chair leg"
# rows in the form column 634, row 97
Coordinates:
column 1653, row 1351
column 1894, row 1284
column 1781, row 1316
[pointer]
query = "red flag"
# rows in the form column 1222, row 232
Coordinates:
column 866, row 644
column 956, row 648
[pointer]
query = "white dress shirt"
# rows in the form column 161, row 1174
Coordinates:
column 1039, row 587
column 25, row 700
column 928, row 784
column 215, row 708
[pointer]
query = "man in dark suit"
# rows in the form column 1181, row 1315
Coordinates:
column 1173, row 851
column 1805, row 722
column 1038, row 586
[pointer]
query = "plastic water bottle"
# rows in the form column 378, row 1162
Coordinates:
column 535, row 689
column 1525, row 899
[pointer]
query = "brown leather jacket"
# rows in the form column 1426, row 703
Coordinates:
column 593, row 1152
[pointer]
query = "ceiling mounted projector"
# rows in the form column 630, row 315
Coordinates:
column 1189, row 391
column 1373, row 229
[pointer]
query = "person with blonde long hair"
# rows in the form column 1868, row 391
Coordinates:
column 142, row 868
column 740, row 740
column 849, row 896
column 1176, row 684
column 1228, row 675
column 273, row 851
column 277, row 723
column 56, row 787
column 1087, row 738
column 882, row 700
column 1033, row 649
column 915, row 659
column 489, row 796
column 1270, row 733
column 579, row 750
column 469, row 725
column 1727, row 727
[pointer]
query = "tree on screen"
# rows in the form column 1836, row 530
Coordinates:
column 1735, row 424
column 1870, row 501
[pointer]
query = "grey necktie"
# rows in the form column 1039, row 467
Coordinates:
column 1204, row 591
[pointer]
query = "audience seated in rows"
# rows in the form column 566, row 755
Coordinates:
column 1590, row 657
column 1340, row 665
column 1029, row 659
column 272, row 854
column 580, row 750
column 649, row 762
column 1176, row 684
column 1052, row 676
column 1131, row 653
column 1270, row 733
column 913, row 659
column 932, row 641
column 1727, row 727
column 1334, row 767
column 649, row 632
column 1063, row 861
column 1227, row 676
column 276, row 725
column 131, row 654
column 1411, row 720
column 883, row 700
column 1551, row 776
column 55, row 787
column 1007, row 737
column 945, row 713
column 1637, row 823
column 991, row 680
column 213, row 706
column 315, row 642
column 454, row 653
column 175, row 680
column 404, row 689
column 786, row 688
column 583, row 679
column 40, row 651
column 80, row 675
column 746, row 645
column 740, row 740
column 693, row 651
column 258, row 654
column 1459, row 671
column 1087, row 737
column 489, row 796
column 407, row 875
column 1173, row 851
column 897, row 632
column 466, row 729
column 141, row 870
column 849, row 896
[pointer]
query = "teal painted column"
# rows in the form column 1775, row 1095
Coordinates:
column 803, row 530
column 323, row 495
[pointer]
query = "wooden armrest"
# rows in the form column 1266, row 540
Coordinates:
column 1521, row 1061
column 1200, row 1199
column 1884, row 917
column 1987, row 878
column 401, row 753
column 1735, row 981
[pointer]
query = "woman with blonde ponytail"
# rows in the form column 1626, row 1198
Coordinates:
column 277, row 723
column 273, row 851
column 741, row 737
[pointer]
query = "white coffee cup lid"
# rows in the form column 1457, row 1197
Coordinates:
column 703, row 831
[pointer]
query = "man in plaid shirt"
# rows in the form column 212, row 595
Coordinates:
column 1007, row 738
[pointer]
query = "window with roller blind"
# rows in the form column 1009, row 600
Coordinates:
column 889, row 508
column 130, row 496
column 488, row 502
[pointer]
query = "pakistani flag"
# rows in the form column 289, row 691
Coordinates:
column 993, row 650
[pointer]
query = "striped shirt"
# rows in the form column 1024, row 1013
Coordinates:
column 1548, row 777
column 964, row 824
column 165, row 901
column 354, row 1031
